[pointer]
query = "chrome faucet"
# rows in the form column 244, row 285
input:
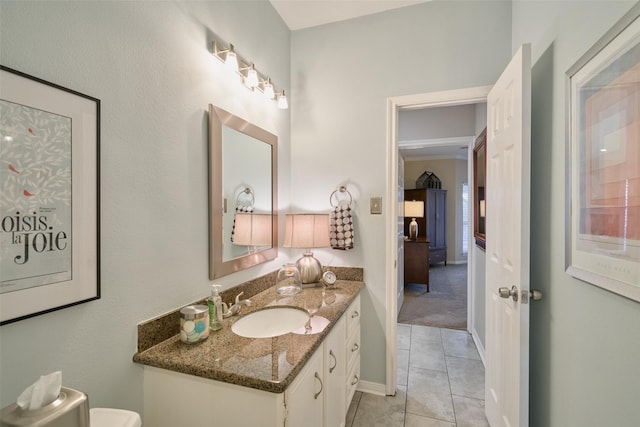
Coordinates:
column 234, row 309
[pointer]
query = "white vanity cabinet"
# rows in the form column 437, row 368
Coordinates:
column 319, row 396
column 305, row 396
column 335, row 371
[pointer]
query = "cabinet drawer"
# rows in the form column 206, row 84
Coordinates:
column 353, row 316
column 353, row 348
column 353, row 378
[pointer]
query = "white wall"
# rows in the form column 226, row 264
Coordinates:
column 585, row 342
column 342, row 75
column 150, row 65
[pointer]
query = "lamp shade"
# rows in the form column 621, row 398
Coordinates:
column 414, row 209
column 306, row 231
column 252, row 229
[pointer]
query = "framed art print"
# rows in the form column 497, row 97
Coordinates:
column 603, row 130
column 49, row 196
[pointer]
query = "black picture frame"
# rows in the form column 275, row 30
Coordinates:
column 50, row 207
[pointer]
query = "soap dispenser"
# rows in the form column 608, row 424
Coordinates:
column 215, row 309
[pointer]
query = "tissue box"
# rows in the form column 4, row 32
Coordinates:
column 70, row 409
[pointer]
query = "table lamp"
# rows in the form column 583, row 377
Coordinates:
column 307, row 231
column 413, row 209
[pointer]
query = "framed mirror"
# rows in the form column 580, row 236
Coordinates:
column 243, row 228
column 479, row 188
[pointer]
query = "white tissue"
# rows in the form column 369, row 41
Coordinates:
column 42, row 392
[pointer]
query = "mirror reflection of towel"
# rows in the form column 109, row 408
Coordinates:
column 341, row 232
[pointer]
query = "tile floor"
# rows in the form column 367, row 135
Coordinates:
column 440, row 384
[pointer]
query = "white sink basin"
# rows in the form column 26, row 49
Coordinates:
column 270, row 322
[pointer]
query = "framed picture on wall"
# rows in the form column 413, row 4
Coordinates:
column 603, row 133
column 49, row 196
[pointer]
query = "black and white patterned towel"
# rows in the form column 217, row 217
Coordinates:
column 341, row 232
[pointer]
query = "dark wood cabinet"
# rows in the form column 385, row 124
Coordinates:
column 433, row 224
column 416, row 262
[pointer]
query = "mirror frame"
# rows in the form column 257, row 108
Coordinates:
column 479, row 193
column 217, row 266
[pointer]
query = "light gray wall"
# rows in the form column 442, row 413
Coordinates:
column 150, row 65
column 440, row 122
column 342, row 75
column 585, row 342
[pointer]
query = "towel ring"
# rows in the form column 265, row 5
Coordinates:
column 249, row 191
column 341, row 189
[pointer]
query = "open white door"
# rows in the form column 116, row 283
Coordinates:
column 507, row 249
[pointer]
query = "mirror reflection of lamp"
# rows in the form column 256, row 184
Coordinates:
column 483, row 212
column 252, row 230
column 307, row 231
column 413, row 209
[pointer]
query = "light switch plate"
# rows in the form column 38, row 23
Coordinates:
column 375, row 205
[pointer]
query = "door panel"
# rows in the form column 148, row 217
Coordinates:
column 507, row 214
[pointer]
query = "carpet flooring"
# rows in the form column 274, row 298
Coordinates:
column 444, row 306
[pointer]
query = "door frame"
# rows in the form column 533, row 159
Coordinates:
column 447, row 98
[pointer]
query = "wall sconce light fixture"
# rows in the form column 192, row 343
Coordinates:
column 251, row 77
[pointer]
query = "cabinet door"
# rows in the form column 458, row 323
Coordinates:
column 335, row 370
column 431, row 217
column 305, row 396
column 441, row 218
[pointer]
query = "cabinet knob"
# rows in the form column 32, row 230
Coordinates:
column 355, row 347
column 356, row 380
column 355, row 314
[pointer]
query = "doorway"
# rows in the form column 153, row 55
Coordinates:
column 394, row 283
column 433, row 142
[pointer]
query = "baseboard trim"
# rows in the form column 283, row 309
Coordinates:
column 479, row 346
column 372, row 388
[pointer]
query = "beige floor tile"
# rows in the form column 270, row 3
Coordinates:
column 402, row 367
column 404, row 336
column 427, row 354
column 469, row 412
column 428, row 394
column 381, row 411
column 440, row 384
column 412, row 420
column 466, row 377
column 459, row 344
column 425, row 332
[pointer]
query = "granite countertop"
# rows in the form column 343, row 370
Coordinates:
column 268, row 364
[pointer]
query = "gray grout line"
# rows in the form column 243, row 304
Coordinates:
column 446, row 364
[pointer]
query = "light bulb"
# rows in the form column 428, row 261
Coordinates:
column 282, row 101
column 231, row 61
column 252, row 77
column 268, row 90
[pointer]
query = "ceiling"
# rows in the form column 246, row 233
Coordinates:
column 299, row 14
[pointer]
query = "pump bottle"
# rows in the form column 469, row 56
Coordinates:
column 215, row 309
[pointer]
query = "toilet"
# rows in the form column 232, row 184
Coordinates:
column 108, row 417
column 70, row 409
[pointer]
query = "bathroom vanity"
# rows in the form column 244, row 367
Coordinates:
column 300, row 378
